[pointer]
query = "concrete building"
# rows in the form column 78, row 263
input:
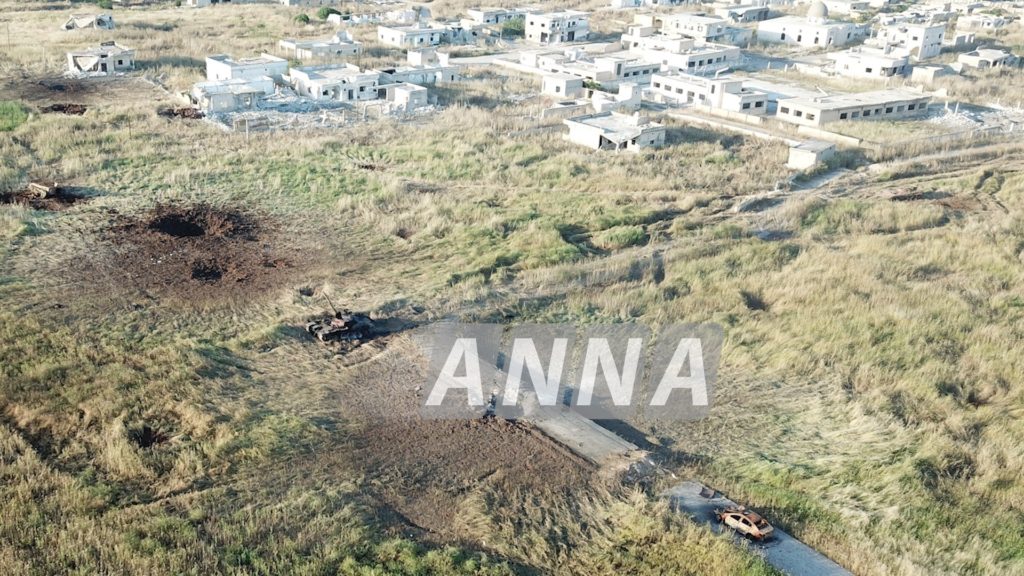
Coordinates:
column 107, row 58
column 986, row 58
column 425, row 66
column 491, row 16
column 722, row 92
column 405, row 96
column 562, row 85
column 341, row 82
column 809, row 154
column 414, row 36
column 978, row 22
column 608, row 70
column 231, row 95
column 310, row 3
column 813, row 31
column 97, row 21
column 697, row 26
column 880, row 105
column 868, row 62
column 743, row 13
column 224, row 67
column 614, row 131
column 558, row 27
column 920, row 41
column 847, row 7
column 341, row 44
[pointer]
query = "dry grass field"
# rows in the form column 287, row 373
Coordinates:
column 163, row 412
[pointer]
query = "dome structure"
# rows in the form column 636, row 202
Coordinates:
column 818, row 12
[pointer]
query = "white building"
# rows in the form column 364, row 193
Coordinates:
column 413, row 36
column 491, row 16
column 224, row 67
column 607, row 70
column 868, row 62
column 881, row 105
column 980, row 22
column 813, row 31
column 98, row 21
column 920, row 41
column 722, row 92
column 677, row 52
column 342, row 83
column 231, row 95
column 425, row 66
column 311, row 3
column 558, row 27
column 986, row 58
column 847, row 7
column 743, row 13
column 107, row 58
column 698, row 26
column 341, row 44
column 614, row 131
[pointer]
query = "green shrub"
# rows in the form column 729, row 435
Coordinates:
column 620, row 237
column 325, row 12
column 514, row 28
column 12, row 115
column 302, row 18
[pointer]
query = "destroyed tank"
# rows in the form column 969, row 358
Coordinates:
column 344, row 326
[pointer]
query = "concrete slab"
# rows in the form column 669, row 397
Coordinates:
column 782, row 551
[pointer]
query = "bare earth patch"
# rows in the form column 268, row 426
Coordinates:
column 201, row 253
column 59, row 198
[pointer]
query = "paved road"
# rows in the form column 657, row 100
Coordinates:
column 782, row 551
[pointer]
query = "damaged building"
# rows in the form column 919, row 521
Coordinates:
column 341, row 44
column 107, row 58
column 614, row 131
column 85, row 21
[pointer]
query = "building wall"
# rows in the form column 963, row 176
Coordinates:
column 219, row 70
column 800, row 32
column 544, row 29
column 811, row 115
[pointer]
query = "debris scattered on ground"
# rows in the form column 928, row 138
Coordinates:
column 185, row 112
column 43, row 195
column 69, row 109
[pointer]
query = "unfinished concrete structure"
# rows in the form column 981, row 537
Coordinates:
column 614, row 131
column 814, row 30
column 722, row 92
column 562, row 85
column 606, row 70
column 491, row 16
column 809, row 154
column 341, row 82
column 414, row 36
column 919, row 41
column 880, row 105
column 224, row 67
column 425, row 66
column 986, row 58
column 83, row 21
column 697, row 26
column 220, row 96
column 675, row 52
column 868, row 62
column 341, row 44
column 557, row 27
column 743, row 13
column 107, row 58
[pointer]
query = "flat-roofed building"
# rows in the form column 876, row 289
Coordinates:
column 723, row 92
column 880, row 105
column 614, row 131
column 986, row 58
column 224, row 67
column 341, row 44
column 107, row 58
column 920, row 41
column 414, row 36
column 341, row 82
column 867, row 62
column 813, row 31
column 557, row 27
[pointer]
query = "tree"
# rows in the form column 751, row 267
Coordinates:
column 514, row 28
column 326, row 11
column 302, row 19
column 106, row 4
